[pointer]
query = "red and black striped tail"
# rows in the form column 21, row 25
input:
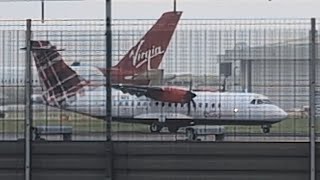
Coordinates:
column 58, row 80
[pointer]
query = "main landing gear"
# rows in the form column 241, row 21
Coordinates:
column 156, row 127
column 265, row 128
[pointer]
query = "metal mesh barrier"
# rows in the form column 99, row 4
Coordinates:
column 269, row 57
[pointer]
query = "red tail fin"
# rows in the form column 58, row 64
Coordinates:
column 58, row 80
column 148, row 52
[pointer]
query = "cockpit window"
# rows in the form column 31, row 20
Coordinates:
column 266, row 101
column 253, row 102
column 260, row 101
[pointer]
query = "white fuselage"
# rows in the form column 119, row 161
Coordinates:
column 208, row 108
column 12, row 81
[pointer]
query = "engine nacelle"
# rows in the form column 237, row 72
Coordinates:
column 172, row 95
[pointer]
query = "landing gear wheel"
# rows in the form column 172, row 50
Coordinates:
column 155, row 127
column 173, row 129
column 266, row 130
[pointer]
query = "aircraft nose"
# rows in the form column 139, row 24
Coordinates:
column 283, row 114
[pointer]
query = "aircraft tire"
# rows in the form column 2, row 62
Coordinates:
column 155, row 127
column 266, row 130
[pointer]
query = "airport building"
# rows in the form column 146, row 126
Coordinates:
column 279, row 71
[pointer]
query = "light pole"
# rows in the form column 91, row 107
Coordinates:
column 108, row 115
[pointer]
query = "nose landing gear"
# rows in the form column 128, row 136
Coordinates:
column 266, row 128
column 155, row 127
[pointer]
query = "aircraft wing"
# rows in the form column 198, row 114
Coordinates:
column 163, row 94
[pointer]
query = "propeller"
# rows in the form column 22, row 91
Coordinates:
column 192, row 101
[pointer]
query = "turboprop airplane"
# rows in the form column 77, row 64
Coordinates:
column 172, row 107
column 139, row 65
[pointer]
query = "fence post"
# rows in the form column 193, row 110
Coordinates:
column 312, row 77
column 28, row 105
column 108, row 47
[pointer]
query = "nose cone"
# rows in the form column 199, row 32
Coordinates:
column 283, row 114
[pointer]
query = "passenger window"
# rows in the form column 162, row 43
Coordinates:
column 145, row 104
column 127, row 103
column 169, row 104
column 157, row 103
column 138, row 104
column 182, row 105
column 162, row 104
column 260, row 101
column 206, row 105
column 212, row 105
column 175, row 104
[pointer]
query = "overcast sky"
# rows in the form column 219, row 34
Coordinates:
column 123, row 9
